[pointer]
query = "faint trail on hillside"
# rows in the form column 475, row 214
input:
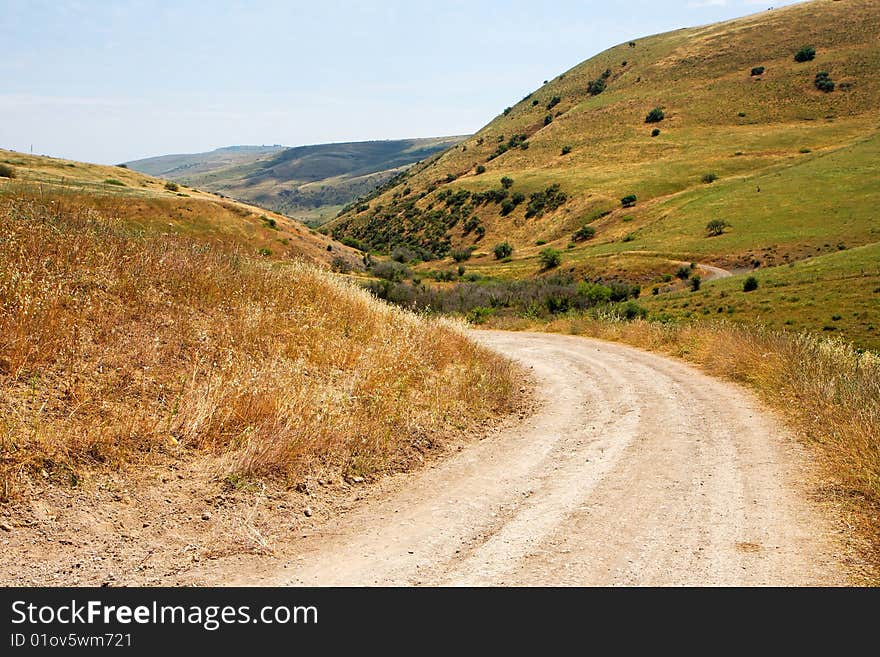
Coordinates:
column 636, row 470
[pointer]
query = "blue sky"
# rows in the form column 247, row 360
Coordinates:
column 114, row 80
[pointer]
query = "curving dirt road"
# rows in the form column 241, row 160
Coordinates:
column 636, row 470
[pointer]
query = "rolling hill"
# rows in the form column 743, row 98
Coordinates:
column 765, row 124
column 309, row 183
column 157, row 206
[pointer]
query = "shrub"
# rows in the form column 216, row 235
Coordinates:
column 479, row 315
column 566, row 150
column 583, row 233
column 824, row 82
column 758, row 70
column 507, row 207
column 517, row 198
column 655, row 116
column 750, row 284
column 716, row 227
column 460, row 255
column 507, row 111
column 595, row 293
column 265, row 252
column 122, row 166
column 805, row 54
column 390, row 271
column 506, row 182
column 550, row 258
column 553, row 102
column 329, row 247
column 633, row 311
column 403, row 255
column 340, row 265
column 502, row 251
column 596, row 87
column 480, row 169
column 655, row 132
column 548, row 120
column 629, row 200
column 353, row 243
column 6, row 171
column 709, row 178
column 696, row 281
column 460, row 271
column 546, row 201
column 683, row 272
column 172, row 186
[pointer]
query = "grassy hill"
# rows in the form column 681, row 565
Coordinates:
column 189, row 164
column 747, row 138
column 309, row 183
column 155, row 206
column 143, row 325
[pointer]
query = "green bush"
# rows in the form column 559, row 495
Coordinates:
column 113, row 181
column 553, row 102
column 596, row 87
column 517, row 198
column 507, row 182
column 550, row 258
column 460, row 255
column 750, row 284
column 633, row 311
column 546, row 201
column 629, row 200
column 696, row 281
column 566, row 150
column 507, row 207
column 390, row 271
column 683, row 272
column 583, row 233
column 655, row 132
column 502, row 251
column 655, row 116
column 172, row 186
column 265, row 252
column 758, row 70
column 340, row 265
column 824, row 82
column 709, row 178
column 805, row 54
column 548, row 120
column 716, row 227
column 480, row 169
column 6, row 171
column 479, row 315
column 595, row 293
column 353, row 243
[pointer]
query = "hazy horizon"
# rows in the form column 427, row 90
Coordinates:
column 116, row 82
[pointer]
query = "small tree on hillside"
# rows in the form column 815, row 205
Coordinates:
column 716, row 227
column 655, row 116
column 550, row 258
column 628, row 201
column 805, row 54
column 502, row 251
column 507, row 182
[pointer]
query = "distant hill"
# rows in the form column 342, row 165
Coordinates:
column 182, row 165
column 765, row 126
column 309, row 183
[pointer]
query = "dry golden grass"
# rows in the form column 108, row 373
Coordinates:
column 115, row 344
column 827, row 389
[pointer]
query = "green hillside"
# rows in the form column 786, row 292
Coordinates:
column 309, row 183
column 749, row 137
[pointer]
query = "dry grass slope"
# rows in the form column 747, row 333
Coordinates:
column 116, row 344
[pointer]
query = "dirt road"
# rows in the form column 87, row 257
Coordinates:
column 636, row 470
